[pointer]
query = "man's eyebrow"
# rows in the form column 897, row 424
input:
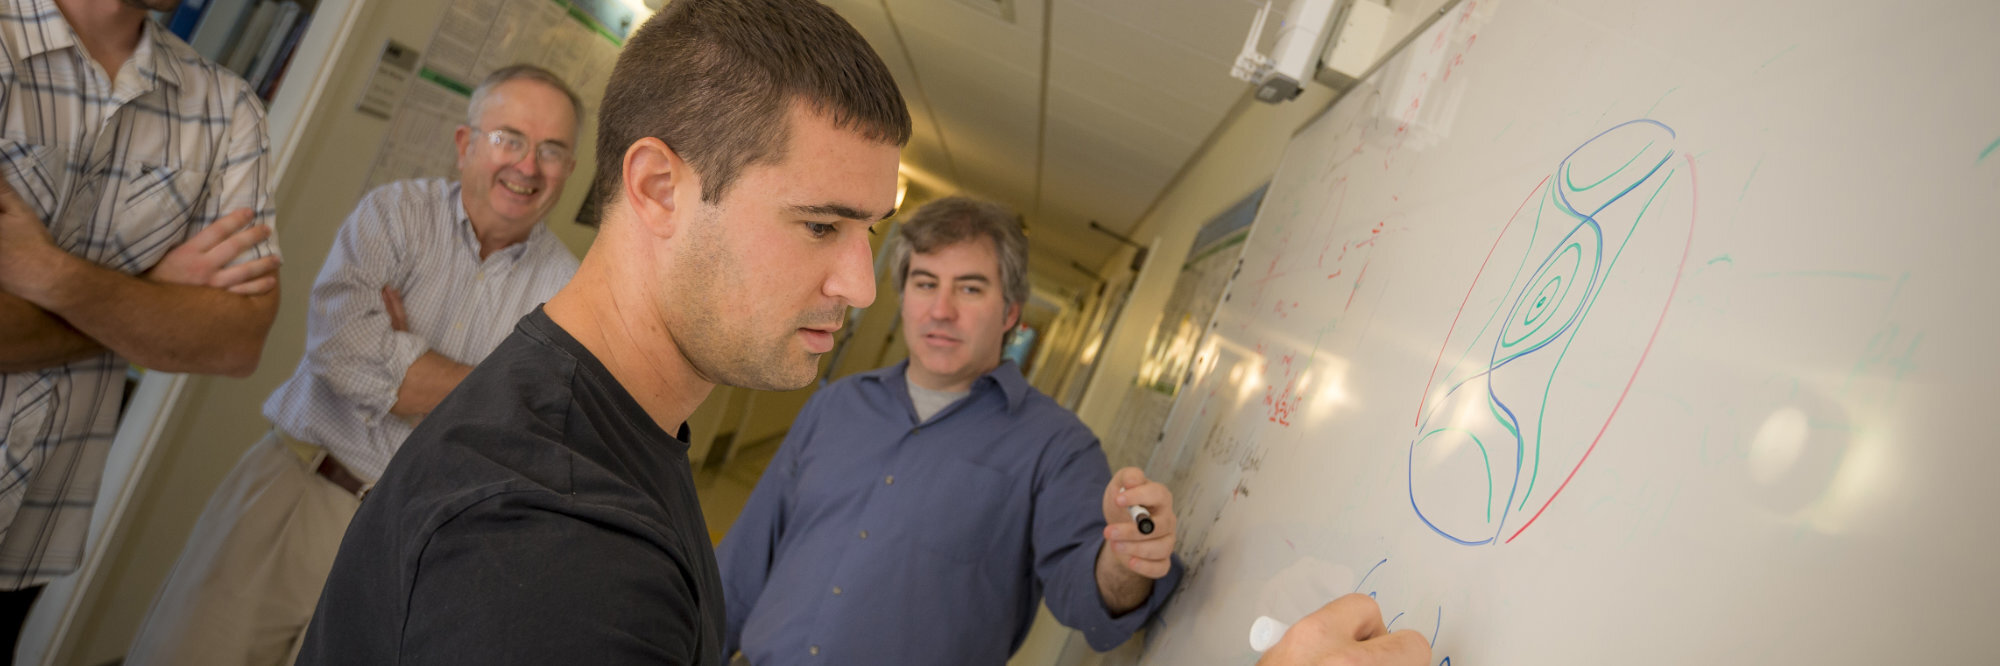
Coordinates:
column 975, row 277
column 838, row 210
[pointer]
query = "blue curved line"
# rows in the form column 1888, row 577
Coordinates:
column 1598, row 272
column 1514, row 425
column 1571, row 171
column 1539, row 270
column 1579, row 148
column 1411, row 486
column 1371, row 572
column 1589, row 294
column 1562, row 201
column 1392, row 621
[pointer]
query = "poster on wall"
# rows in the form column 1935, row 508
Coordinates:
column 578, row 40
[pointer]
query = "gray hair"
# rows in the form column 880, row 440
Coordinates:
column 954, row 220
column 522, row 72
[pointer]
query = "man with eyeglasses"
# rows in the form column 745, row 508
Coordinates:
column 425, row 278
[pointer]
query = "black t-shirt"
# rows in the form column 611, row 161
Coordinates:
column 537, row 516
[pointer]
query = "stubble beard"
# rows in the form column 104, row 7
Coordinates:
column 729, row 353
column 153, row 5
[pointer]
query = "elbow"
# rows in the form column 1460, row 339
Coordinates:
column 241, row 361
column 233, row 361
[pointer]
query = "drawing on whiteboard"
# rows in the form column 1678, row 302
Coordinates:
column 1436, row 626
column 1512, row 402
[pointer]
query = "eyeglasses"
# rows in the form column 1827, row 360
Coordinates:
column 511, row 146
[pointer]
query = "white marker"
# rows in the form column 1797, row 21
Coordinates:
column 1265, row 633
column 1141, row 516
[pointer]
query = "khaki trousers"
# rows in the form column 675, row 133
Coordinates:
column 246, row 584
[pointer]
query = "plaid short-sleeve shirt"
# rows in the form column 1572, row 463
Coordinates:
column 121, row 167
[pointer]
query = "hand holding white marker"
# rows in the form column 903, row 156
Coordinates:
column 1347, row 631
column 1266, row 632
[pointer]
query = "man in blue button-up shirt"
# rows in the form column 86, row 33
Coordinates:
column 916, row 514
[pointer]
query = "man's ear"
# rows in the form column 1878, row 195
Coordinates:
column 1013, row 316
column 463, row 138
column 653, row 175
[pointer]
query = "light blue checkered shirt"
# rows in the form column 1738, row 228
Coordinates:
column 412, row 235
column 121, row 171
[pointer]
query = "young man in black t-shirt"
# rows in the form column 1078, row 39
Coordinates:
column 543, row 513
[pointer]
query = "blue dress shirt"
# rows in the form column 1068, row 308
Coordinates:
column 875, row 539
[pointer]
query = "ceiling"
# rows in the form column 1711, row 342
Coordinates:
column 1072, row 111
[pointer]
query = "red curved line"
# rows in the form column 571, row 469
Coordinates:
column 1468, row 298
column 1694, row 208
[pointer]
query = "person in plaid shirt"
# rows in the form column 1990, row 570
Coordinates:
column 134, row 227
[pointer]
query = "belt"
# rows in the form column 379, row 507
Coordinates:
column 324, row 464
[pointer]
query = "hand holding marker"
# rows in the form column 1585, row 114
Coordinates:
column 1348, row 630
column 1142, row 517
column 1138, row 524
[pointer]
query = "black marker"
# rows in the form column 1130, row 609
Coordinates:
column 1141, row 516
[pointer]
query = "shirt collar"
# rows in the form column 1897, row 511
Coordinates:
column 36, row 27
column 470, row 236
column 167, row 53
column 1008, row 377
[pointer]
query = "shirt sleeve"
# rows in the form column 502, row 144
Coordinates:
column 510, row 581
column 751, row 545
column 241, row 175
column 1068, row 531
column 349, row 344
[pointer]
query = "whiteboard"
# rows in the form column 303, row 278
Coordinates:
column 1170, row 347
column 1617, row 331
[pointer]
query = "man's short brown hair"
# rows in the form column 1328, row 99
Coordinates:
column 715, row 80
column 953, row 220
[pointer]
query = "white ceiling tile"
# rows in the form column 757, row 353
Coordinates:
column 1070, row 240
column 998, row 176
column 1081, row 118
column 1074, row 74
column 1212, row 27
column 1018, row 43
column 1146, row 59
column 1119, row 184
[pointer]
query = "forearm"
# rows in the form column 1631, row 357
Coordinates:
column 426, row 383
column 32, row 339
column 1121, row 589
column 168, row 327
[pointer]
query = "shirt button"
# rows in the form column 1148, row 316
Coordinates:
column 864, row 534
column 889, row 481
column 814, row 650
column 836, row 590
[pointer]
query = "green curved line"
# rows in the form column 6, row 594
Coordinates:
column 1482, row 458
column 1541, row 415
column 1576, row 268
column 1573, row 316
column 1572, row 169
column 1532, row 234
